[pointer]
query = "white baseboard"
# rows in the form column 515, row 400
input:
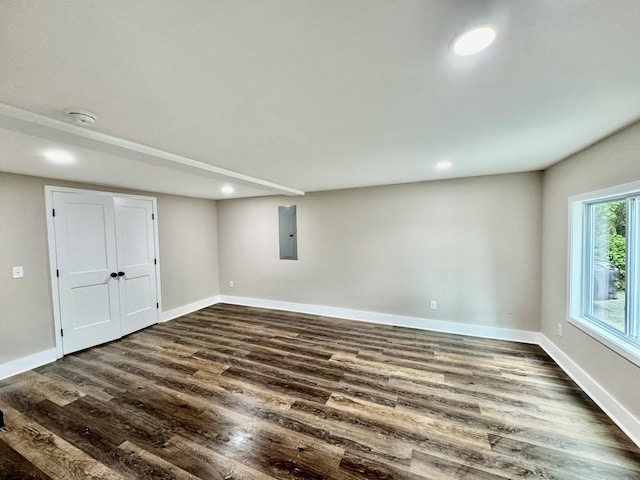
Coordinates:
column 189, row 308
column 387, row 319
column 29, row 362
column 617, row 412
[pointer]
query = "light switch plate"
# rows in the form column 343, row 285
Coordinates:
column 18, row 272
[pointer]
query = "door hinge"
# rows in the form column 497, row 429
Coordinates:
column 155, row 261
column 58, row 273
column 53, row 210
column 61, row 332
column 153, row 216
column 157, row 305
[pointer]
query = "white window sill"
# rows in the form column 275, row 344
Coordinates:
column 623, row 348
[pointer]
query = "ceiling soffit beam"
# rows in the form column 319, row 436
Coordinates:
column 24, row 121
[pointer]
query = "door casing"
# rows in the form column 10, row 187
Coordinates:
column 49, row 189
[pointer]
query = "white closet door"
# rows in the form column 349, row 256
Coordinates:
column 136, row 263
column 86, row 261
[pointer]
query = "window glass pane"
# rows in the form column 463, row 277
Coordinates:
column 604, row 267
column 608, row 263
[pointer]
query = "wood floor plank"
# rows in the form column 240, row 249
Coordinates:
column 249, row 392
column 150, row 465
column 206, row 463
column 566, row 465
column 64, row 368
column 57, row 390
column 482, row 467
column 232, row 392
column 50, row 453
column 356, row 467
column 410, row 421
column 590, row 438
column 391, row 370
column 14, row 466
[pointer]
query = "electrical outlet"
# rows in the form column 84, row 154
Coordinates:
column 559, row 329
column 230, row 283
column 18, row 272
column 433, row 305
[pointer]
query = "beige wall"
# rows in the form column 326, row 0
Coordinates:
column 471, row 244
column 26, row 315
column 188, row 232
column 613, row 161
column 188, row 258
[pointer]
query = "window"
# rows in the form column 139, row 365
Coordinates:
column 604, row 274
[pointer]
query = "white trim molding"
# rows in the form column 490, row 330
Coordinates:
column 189, row 308
column 617, row 412
column 29, row 362
column 496, row 333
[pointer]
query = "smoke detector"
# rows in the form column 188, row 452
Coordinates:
column 82, row 117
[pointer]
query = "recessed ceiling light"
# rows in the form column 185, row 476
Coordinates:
column 228, row 189
column 474, row 40
column 61, row 157
column 443, row 165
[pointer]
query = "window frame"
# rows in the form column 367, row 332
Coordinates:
column 580, row 244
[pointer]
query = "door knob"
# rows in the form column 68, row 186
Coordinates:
column 121, row 274
column 114, row 274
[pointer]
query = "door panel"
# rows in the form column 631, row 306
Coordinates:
column 86, row 234
column 133, row 250
column 139, row 297
column 90, row 306
column 86, row 257
column 136, row 254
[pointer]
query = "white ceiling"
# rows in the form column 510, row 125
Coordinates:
column 307, row 95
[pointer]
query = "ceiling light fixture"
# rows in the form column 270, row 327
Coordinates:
column 443, row 165
column 61, row 157
column 82, row 117
column 228, row 189
column 474, row 40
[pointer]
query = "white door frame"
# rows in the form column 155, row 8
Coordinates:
column 55, row 294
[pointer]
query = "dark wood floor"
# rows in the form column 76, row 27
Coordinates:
column 239, row 393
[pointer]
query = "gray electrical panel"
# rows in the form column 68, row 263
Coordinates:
column 288, row 232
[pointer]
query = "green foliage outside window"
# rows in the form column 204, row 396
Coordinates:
column 610, row 235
